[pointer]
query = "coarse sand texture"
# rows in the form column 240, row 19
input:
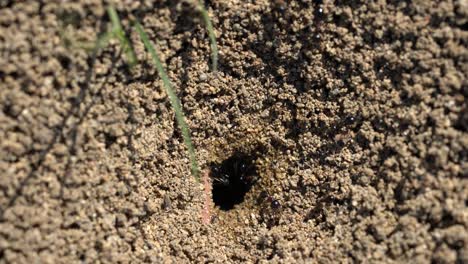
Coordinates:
column 331, row 132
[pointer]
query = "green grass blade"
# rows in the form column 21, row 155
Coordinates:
column 102, row 40
column 173, row 99
column 211, row 35
column 119, row 33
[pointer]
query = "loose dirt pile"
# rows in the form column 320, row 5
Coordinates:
column 351, row 116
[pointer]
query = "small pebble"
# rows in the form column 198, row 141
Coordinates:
column 202, row 77
column 167, row 204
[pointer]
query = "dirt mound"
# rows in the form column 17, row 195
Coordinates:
column 344, row 122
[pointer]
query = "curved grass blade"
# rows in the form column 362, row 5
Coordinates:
column 211, row 35
column 118, row 32
column 173, row 99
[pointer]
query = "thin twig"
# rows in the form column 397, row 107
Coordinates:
column 207, row 201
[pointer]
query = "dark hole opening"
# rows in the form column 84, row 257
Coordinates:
column 232, row 179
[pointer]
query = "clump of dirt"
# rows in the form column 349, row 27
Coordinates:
column 355, row 113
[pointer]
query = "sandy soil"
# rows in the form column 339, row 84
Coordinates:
column 353, row 114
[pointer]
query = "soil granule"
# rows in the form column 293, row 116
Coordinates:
column 354, row 113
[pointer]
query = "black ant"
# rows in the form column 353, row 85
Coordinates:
column 270, row 209
column 232, row 179
column 319, row 16
column 234, row 170
column 280, row 5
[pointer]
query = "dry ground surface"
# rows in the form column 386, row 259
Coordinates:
column 352, row 113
